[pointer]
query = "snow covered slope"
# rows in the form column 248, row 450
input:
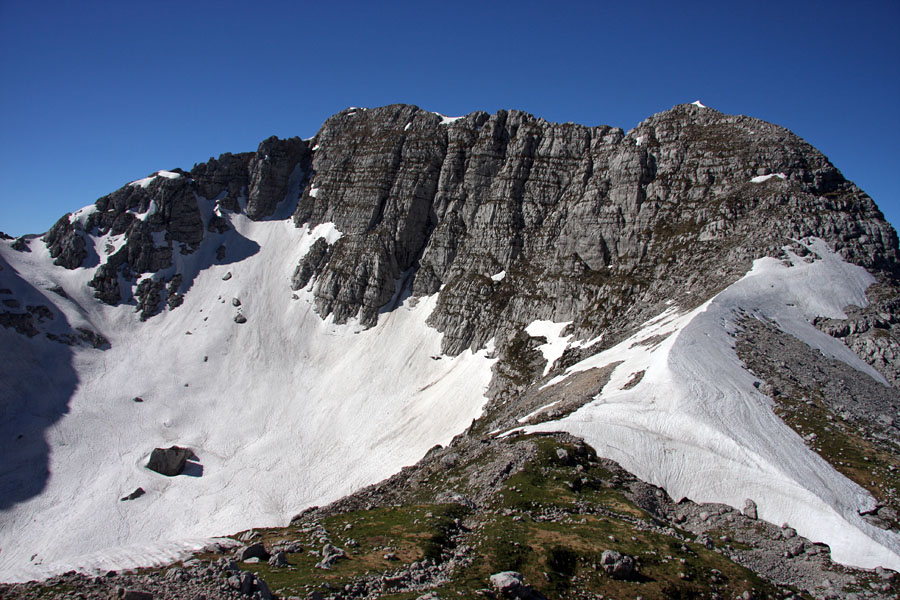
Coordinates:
column 283, row 411
column 696, row 425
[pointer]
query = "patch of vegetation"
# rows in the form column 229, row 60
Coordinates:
column 550, row 520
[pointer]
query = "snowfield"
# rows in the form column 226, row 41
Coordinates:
column 289, row 410
column 697, row 426
column 284, row 411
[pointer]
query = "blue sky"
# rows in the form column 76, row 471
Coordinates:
column 96, row 94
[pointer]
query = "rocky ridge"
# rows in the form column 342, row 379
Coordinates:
column 587, row 224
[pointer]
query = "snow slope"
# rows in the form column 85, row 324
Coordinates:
column 697, row 426
column 283, row 412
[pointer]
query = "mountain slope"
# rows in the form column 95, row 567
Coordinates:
column 398, row 276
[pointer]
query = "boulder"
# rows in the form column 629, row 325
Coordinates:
column 750, row 509
column 330, row 555
column 511, row 585
column 616, row 564
column 252, row 551
column 169, row 461
column 278, row 560
column 135, row 494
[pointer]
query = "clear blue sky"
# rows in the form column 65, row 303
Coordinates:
column 96, row 94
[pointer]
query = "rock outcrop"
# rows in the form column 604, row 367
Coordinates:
column 169, row 461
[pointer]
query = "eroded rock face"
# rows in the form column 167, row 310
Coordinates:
column 148, row 222
column 586, row 224
column 276, row 166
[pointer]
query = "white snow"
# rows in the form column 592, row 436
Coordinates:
column 538, row 411
column 81, row 215
column 640, row 139
column 284, row 411
column 762, row 178
column 698, row 103
column 588, row 343
column 143, row 182
column 696, row 425
column 313, row 192
column 498, row 276
column 151, row 210
column 316, row 147
column 408, row 125
column 556, row 341
column 445, row 120
column 146, row 180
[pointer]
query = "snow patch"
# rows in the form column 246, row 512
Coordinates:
column 445, row 120
column 267, row 404
column 313, row 192
column 147, row 180
column 152, row 208
column 498, row 276
column 640, row 139
column 556, row 342
column 81, row 215
column 762, row 178
column 696, row 425
column 698, row 103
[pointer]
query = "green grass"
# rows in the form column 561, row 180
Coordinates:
column 560, row 558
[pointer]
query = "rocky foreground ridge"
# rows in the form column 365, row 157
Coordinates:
column 512, row 220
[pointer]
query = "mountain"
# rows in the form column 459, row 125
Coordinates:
column 704, row 300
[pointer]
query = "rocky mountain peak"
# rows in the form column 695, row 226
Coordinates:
column 405, row 279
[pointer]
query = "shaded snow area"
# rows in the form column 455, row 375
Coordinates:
column 763, row 178
column 696, row 425
column 283, row 411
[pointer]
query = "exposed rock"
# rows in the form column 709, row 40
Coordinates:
column 510, row 584
column 749, row 509
column 240, row 318
column 257, row 550
column 616, row 564
column 169, row 461
column 330, row 555
column 276, row 165
column 279, row 559
column 135, row 494
column 65, row 244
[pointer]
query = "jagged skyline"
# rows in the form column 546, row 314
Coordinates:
column 102, row 95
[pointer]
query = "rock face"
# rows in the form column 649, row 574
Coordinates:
column 587, row 224
column 169, row 461
column 591, row 217
column 149, row 221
